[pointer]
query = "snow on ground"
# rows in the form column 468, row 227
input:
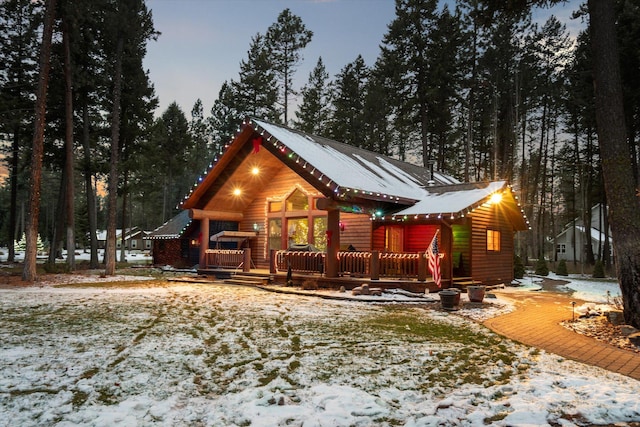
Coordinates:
column 218, row 355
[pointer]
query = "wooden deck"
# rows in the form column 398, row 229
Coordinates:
column 263, row 276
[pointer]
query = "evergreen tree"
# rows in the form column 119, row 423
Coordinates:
column 20, row 22
column 35, row 179
column 313, row 113
column 407, row 49
column 224, row 118
column 256, row 91
column 347, row 120
column 285, row 39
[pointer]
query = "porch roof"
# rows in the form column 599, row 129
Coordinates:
column 460, row 199
column 172, row 229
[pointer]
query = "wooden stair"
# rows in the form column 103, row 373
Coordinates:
column 246, row 279
column 462, row 283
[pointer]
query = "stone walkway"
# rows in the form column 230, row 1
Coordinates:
column 536, row 322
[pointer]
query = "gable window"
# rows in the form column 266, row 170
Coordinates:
column 561, row 248
column 493, row 241
column 297, row 201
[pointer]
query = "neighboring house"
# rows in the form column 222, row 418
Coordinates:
column 572, row 241
column 280, row 187
column 134, row 239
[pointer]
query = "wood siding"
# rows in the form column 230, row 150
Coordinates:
column 281, row 186
column 357, row 231
column 491, row 267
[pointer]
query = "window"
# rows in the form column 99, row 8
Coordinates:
column 134, row 244
column 275, row 233
column 275, row 206
column 493, row 241
column 298, row 229
column 297, row 201
column 561, row 248
column 295, row 221
column 320, row 232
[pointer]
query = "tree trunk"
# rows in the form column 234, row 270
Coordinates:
column 624, row 211
column 68, row 141
column 110, row 249
column 88, row 182
column 13, row 212
column 35, row 178
column 125, row 231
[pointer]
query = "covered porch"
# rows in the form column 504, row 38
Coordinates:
column 406, row 271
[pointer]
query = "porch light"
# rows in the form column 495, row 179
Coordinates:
column 495, row 198
column 255, row 170
column 237, row 191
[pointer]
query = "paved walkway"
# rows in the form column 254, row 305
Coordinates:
column 536, row 322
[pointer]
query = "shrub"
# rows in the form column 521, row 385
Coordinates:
column 518, row 267
column 56, row 268
column 561, row 269
column 541, row 267
column 310, row 285
column 598, row 270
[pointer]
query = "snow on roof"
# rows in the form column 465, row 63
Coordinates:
column 173, row 228
column 455, row 200
column 354, row 168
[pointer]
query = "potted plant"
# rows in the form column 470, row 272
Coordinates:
column 449, row 298
column 476, row 293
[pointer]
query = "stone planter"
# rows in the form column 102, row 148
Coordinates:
column 475, row 293
column 449, row 299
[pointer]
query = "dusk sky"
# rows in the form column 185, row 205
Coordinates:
column 203, row 41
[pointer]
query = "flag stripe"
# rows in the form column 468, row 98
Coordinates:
column 434, row 260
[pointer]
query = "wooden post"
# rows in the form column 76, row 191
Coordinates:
column 204, row 242
column 375, row 265
column 333, row 235
column 246, row 261
column 422, row 267
column 272, row 261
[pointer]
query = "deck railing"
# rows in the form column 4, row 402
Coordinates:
column 356, row 264
column 300, row 262
column 399, row 264
column 225, row 258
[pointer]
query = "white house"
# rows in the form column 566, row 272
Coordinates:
column 572, row 241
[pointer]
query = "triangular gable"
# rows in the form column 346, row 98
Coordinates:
column 338, row 169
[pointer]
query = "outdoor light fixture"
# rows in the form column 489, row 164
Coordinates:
column 495, row 198
column 237, row 191
column 255, row 170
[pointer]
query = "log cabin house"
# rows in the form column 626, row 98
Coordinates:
column 306, row 205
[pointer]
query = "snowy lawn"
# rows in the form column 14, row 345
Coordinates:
column 161, row 353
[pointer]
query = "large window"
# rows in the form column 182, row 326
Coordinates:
column 493, row 241
column 295, row 220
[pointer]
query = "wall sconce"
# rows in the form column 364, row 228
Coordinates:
column 341, row 226
column 257, row 228
column 195, row 243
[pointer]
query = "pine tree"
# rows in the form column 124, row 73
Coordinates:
column 286, row 38
column 256, row 91
column 347, row 120
column 313, row 113
column 19, row 26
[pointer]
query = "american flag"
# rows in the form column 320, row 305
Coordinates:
column 434, row 260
